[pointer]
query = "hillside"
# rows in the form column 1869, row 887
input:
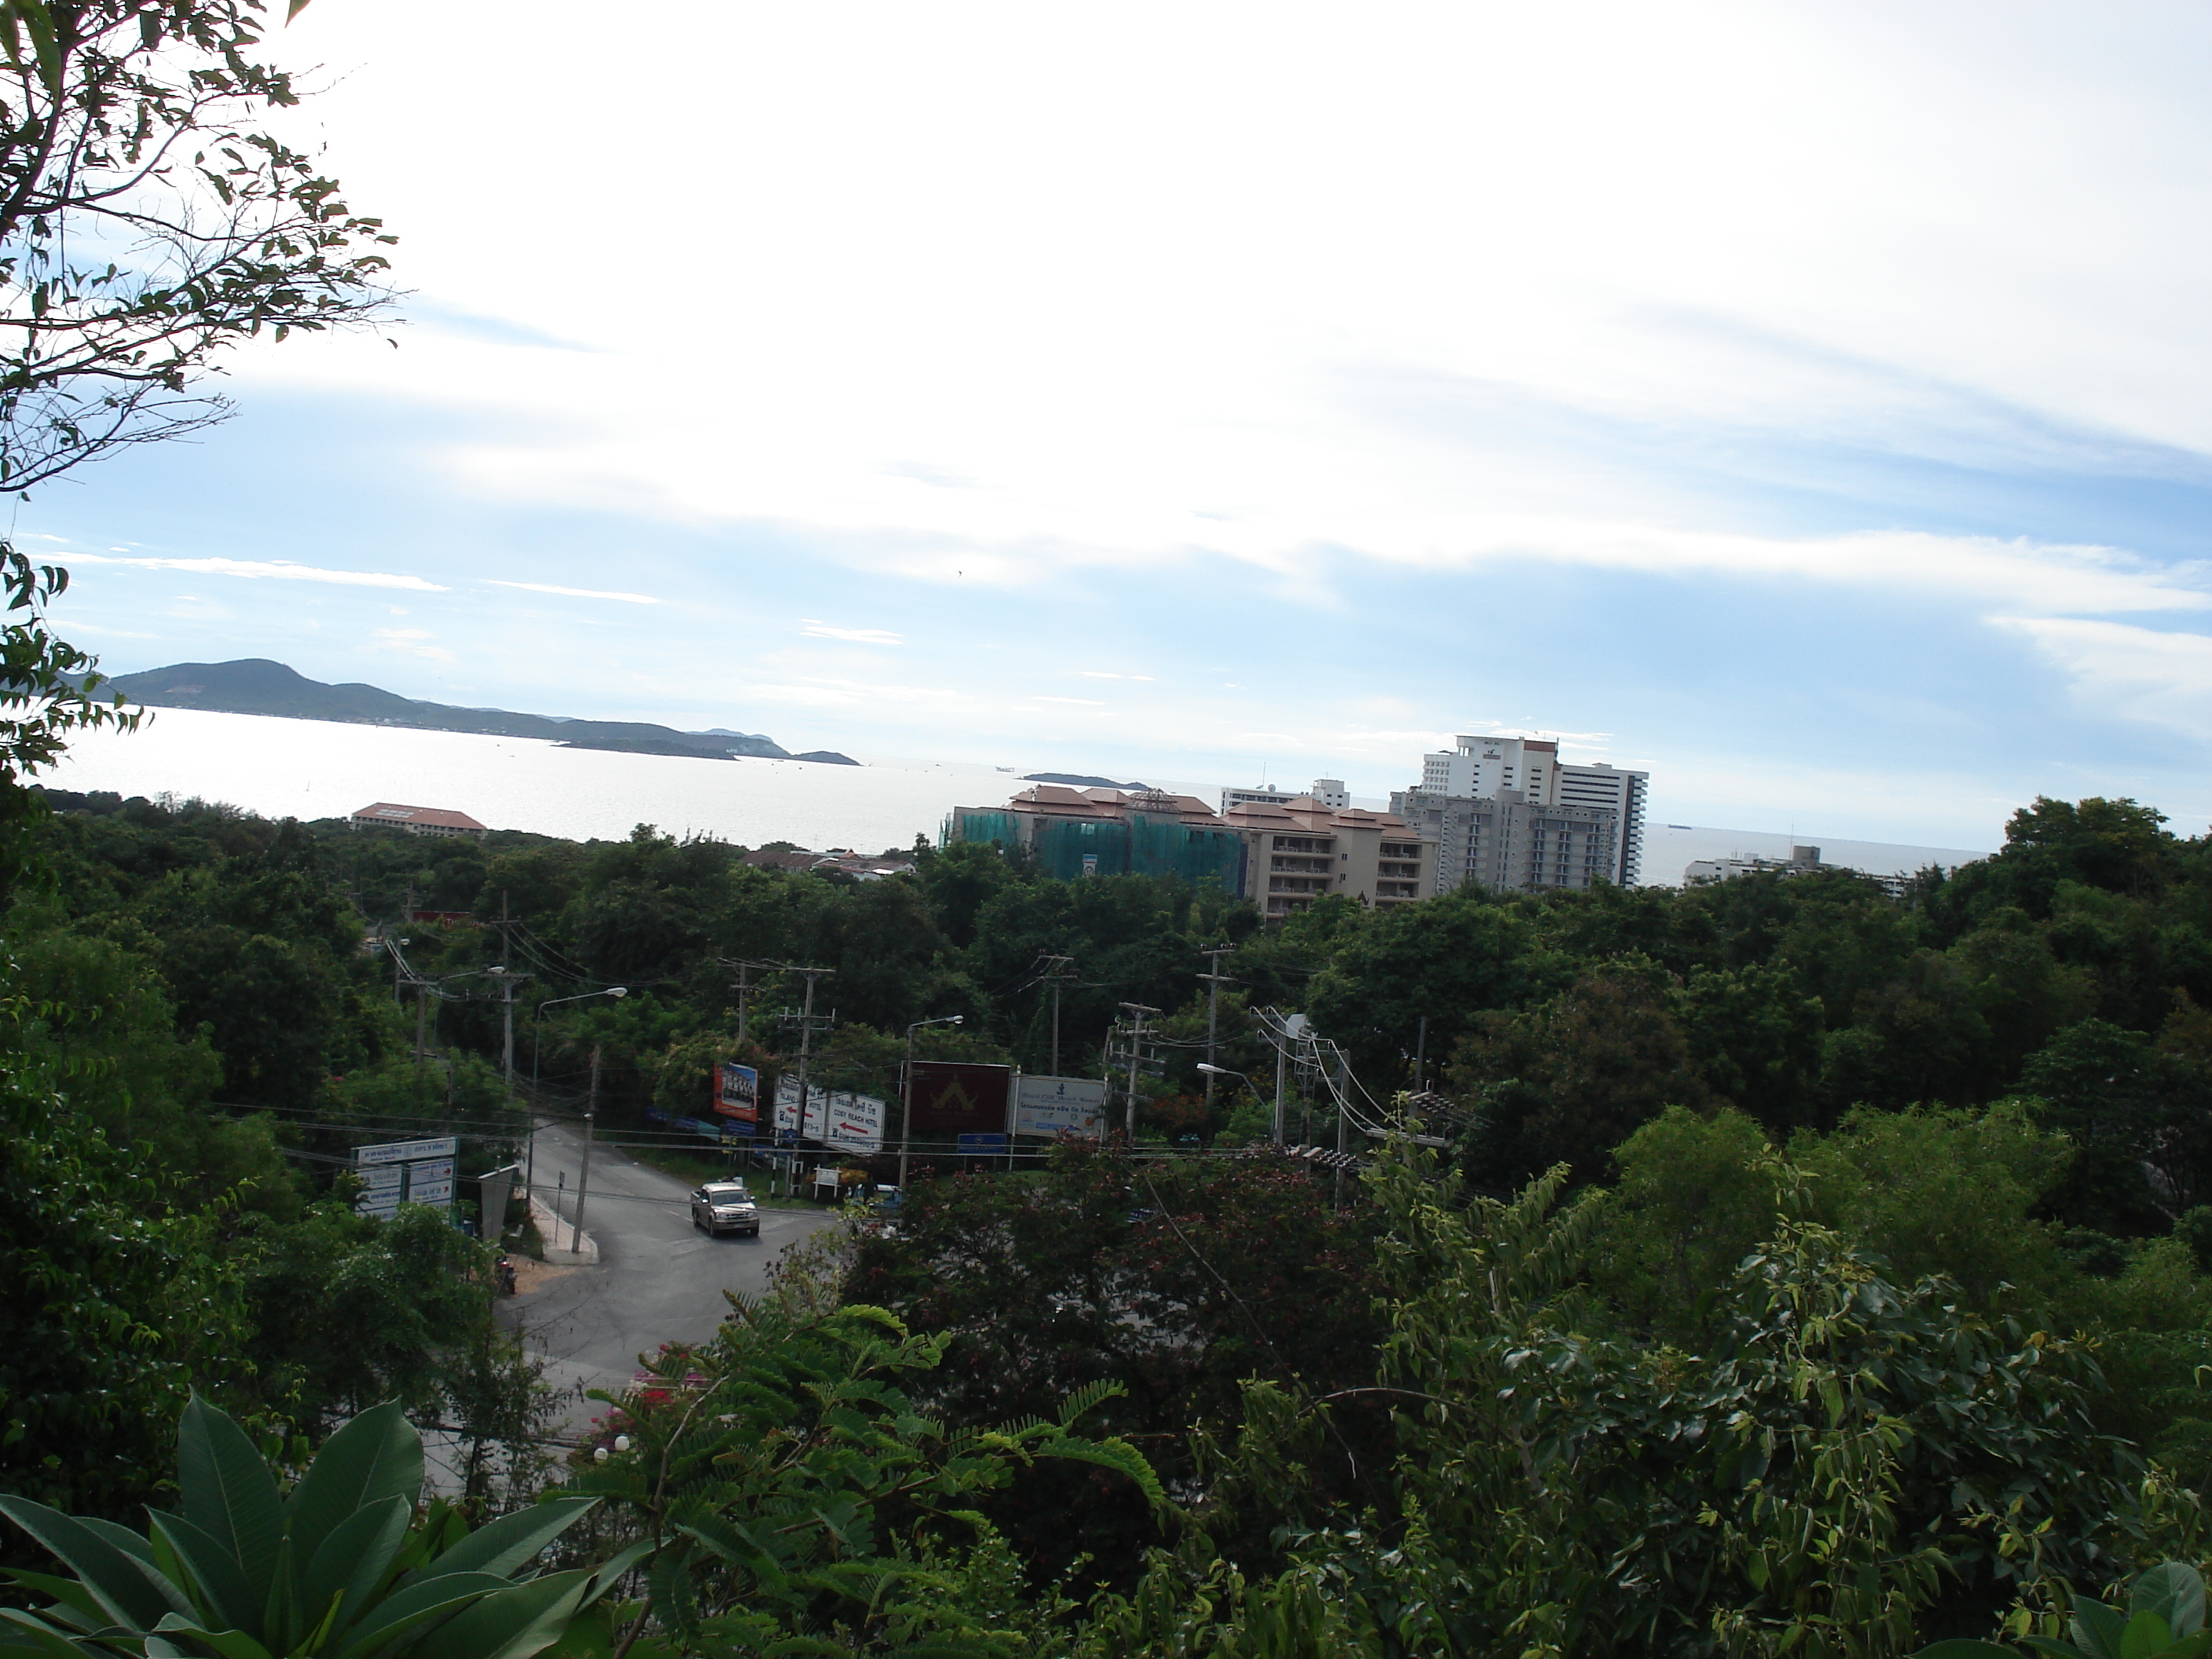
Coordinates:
column 256, row 685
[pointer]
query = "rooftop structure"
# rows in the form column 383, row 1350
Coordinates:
column 416, row 820
column 1329, row 792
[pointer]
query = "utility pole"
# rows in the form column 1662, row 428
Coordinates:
column 504, row 921
column 1215, row 981
column 1420, row 1051
column 584, row 1175
column 422, row 1016
column 1059, row 970
column 1343, row 1120
column 1282, row 1085
column 807, row 1021
column 743, row 987
column 1136, row 1034
column 507, row 982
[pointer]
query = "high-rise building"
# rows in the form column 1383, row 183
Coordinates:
column 1509, row 813
column 1329, row 792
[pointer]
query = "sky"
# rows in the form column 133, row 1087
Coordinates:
column 1806, row 404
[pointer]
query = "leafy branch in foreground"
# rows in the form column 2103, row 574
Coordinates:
column 147, row 221
column 340, row 1567
column 794, row 1494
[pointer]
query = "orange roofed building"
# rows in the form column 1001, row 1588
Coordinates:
column 416, row 820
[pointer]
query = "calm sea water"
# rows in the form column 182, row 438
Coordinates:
column 319, row 769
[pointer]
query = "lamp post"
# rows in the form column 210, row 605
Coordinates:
column 1212, row 1071
column 906, row 1122
column 536, row 1043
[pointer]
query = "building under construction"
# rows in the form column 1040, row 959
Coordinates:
column 1281, row 854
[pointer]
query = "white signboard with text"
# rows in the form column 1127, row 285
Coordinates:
column 1060, row 1106
column 854, row 1122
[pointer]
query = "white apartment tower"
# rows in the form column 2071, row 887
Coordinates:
column 1509, row 813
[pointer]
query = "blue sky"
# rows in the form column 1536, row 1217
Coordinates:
column 1806, row 404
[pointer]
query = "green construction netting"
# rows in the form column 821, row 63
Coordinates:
column 1141, row 846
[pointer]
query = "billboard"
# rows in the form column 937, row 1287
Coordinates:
column 425, row 1167
column 737, row 1093
column 834, row 1118
column 1060, row 1106
column 953, row 1098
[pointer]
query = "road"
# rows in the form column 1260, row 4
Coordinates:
column 658, row 1279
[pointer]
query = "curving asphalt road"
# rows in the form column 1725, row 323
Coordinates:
column 658, row 1279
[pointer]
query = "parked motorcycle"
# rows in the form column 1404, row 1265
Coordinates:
column 503, row 1275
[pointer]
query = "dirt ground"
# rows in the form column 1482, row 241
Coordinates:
column 530, row 1275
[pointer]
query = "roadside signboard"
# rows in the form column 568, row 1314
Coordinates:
column 988, row 1145
column 407, row 1152
column 426, row 1168
column 737, row 1093
column 951, row 1097
column 854, row 1122
column 1060, row 1106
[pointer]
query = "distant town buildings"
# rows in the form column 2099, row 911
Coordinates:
column 416, row 820
column 1802, row 861
column 1509, row 813
column 1281, row 850
column 837, row 861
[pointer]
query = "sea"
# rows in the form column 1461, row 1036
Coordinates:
column 325, row 770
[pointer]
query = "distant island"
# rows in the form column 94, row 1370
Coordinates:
column 1078, row 780
column 256, row 685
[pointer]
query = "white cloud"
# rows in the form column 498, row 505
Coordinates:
column 269, row 569
column 821, row 630
column 2140, row 673
column 576, row 592
column 1079, row 702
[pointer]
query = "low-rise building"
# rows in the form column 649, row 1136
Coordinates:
column 1300, row 849
column 1281, row 852
column 1802, row 861
column 416, row 820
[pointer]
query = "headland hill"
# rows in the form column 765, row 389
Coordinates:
column 257, row 685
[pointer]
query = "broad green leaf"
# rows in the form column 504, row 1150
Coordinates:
column 2061, row 1649
column 512, row 1540
column 128, row 1591
column 2175, row 1591
column 223, row 1595
column 1959, row 1647
column 228, row 1491
column 376, row 1456
column 417, row 1606
column 353, row 1561
column 2097, row 1629
column 2146, row 1633
column 230, row 1643
column 516, row 1623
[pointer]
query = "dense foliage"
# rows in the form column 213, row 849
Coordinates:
column 1807, row 1270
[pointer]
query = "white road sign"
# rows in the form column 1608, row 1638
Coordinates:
column 407, row 1152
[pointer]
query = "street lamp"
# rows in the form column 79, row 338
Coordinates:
column 906, row 1124
column 536, row 1045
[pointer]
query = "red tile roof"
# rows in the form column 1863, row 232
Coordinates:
column 385, row 811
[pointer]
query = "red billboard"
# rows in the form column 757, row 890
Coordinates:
column 953, row 1098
